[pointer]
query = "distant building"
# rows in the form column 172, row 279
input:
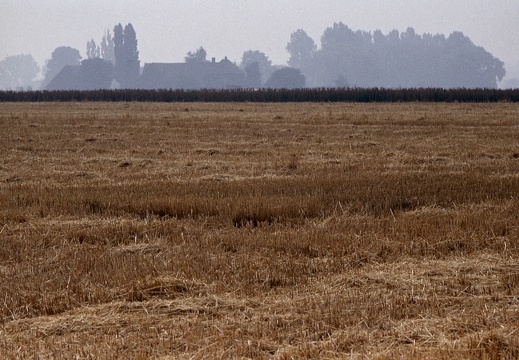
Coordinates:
column 67, row 79
column 95, row 74
column 192, row 75
column 92, row 74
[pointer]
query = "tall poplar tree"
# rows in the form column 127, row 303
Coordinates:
column 127, row 64
column 93, row 51
column 132, row 63
column 119, row 53
column 107, row 47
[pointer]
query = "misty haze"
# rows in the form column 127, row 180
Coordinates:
column 343, row 58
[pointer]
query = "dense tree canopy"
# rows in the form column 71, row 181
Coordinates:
column 364, row 59
column 301, row 49
column 264, row 63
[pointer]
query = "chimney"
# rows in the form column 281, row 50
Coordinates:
column 214, row 60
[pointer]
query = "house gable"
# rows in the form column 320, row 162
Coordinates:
column 66, row 79
column 193, row 75
column 92, row 74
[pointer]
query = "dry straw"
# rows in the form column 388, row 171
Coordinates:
column 259, row 231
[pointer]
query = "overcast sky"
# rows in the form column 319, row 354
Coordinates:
column 168, row 29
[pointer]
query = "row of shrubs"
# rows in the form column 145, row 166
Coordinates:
column 268, row 95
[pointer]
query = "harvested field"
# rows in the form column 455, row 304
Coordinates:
column 161, row 231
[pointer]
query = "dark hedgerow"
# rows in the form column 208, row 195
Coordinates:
column 268, row 95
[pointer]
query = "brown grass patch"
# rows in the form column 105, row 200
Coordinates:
column 259, row 231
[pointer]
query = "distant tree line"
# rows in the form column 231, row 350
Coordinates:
column 268, row 95
column 344, row 59
column 115, row 59
column 350, row 58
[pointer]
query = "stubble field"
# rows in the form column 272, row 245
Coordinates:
column 136, row 231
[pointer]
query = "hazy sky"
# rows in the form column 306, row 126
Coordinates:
column 168, row 29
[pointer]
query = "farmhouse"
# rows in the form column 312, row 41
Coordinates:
column 192, row 75
column 93, row 74
column 67, row 79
